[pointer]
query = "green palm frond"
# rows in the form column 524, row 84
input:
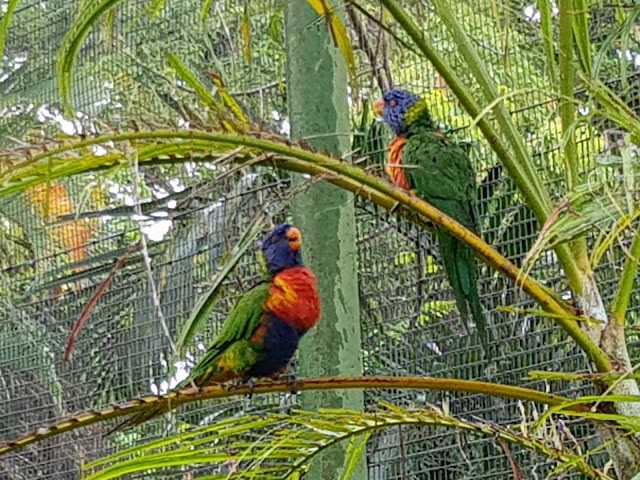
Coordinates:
column 277, row 446
column 603, row 206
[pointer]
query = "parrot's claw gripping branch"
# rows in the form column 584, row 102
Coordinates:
column 244, row 382
column 292, row 382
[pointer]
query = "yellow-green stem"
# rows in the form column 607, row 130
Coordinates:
column 567, row 119
column 4, row 24
column 625, row 287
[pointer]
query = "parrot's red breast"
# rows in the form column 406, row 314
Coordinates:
column 293, row 297
column 394, row 167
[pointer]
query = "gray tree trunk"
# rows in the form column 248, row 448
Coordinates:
column 318, row 110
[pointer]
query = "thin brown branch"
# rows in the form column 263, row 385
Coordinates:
column 175, row 399
column 97, row 295
column 384, row 27
column 363, row 40
column 515, row 468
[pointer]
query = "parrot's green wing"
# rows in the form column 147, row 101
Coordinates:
column 238, row 326
column 441, row 173
column 236, row 330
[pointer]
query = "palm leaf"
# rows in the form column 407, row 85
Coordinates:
column 277, row 446
column 72, row 43
column 4, row 25
column 601, row 205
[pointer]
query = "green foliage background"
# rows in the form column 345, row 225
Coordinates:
column 123, row 80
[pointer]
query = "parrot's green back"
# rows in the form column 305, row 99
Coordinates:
column 440, row 172
column 232, row 351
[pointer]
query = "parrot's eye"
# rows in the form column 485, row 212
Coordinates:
column 392, row 103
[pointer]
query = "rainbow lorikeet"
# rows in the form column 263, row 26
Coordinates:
column 423, row 159
column 261, row 334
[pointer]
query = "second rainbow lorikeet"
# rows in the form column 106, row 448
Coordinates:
column 261, row 334
column 423, row 159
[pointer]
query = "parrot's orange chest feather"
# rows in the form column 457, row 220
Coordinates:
column 294, row 298
column 394, row 167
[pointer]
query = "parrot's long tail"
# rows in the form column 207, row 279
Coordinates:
column 460, row 265
column 160, row 408
column 141, row 417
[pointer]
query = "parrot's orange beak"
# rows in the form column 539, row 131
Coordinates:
column 295, row 238
column 378, row 107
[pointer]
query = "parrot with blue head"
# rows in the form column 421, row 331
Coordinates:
column 261, row 334
column 423, row 159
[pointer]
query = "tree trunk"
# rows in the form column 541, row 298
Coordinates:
column 624, row 450
column 318, row 110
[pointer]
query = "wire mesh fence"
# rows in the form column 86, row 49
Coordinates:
column 59, row 242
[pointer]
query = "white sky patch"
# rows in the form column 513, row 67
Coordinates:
column 43, row 113
column 629, row 56
column 176, row 184
column 67, row 126
column 101, row 103
column 112, row 188
column 128, row 200
column 285, row 129
column 99, row 150
column 18, row 61
column 191, row 168
column 285, row 126
column 182, row 372
column 160, row 192
column 434, row 346
column 157, row 230
column 213, row 206
column 532, row 13
column 70, row 127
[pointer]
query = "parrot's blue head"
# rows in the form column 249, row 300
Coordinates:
column 393, row 107
column 403, row 111
column 281, row 248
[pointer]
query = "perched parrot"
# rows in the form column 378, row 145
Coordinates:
column 423, row 159
column 261, row 334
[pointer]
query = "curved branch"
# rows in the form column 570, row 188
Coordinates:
column 175, row 399
column 292, row 157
